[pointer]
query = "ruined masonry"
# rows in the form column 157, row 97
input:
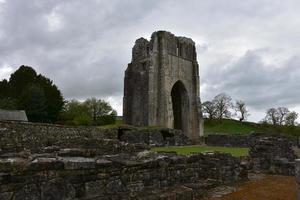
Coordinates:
column 46, row 161
column 161, row 86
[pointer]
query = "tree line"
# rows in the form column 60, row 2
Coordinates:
column 280, row 116
column 44, row 102
column 221, row 106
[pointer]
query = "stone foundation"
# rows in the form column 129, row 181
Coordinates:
column 297, row 166
column 240, row 140
column 40, row 161
column 229, row 140
column 153, row 136
column 17, row 136
column 273, row 155
column 68, row 175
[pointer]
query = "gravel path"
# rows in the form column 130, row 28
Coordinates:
column 267, row 187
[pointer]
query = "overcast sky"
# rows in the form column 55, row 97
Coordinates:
column 247, row 49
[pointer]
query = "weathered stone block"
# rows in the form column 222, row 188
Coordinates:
column 39, row 164
column 12, row 164
column 103, row 163
column 71, row 152
column 78, row 162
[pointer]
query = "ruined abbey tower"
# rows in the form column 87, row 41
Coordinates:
column 161, row 86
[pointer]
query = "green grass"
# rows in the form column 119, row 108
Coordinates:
column 234, row 127
column 196, row 149
column 116, row 124
column 227, row 126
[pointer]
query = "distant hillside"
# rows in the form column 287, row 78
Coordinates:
column 230, row 126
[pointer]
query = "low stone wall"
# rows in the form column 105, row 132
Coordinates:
column 68, row 175
column 273, row 155
column 229, row 140
column 297, row 166
column 240, row 140
column 18, row 136
column 153, row 136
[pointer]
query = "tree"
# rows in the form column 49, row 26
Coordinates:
column 25, row 82
column 280, row 116
column 4, row 89
column 290, row 118
column 209, row 109
column 92, row 111
column 222, row 103
column 282, row 113
column 20, row 80
column 76, row 113
column 8, row 103
column 241, row 110
column 272, row 116
column 33, row 101
column 99, row 108
column 55, row 100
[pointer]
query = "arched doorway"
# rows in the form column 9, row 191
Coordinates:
column 180, row 104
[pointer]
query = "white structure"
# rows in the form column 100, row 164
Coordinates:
column 13, row 115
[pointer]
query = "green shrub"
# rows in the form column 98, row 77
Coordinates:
column 83, row 120
column 105, row 120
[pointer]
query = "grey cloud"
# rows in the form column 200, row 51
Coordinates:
column 261, row 85
column 85, row 57
column 87, row 52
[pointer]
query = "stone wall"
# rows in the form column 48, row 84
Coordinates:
column 229, row 140
column 18, row 136
column 42, row 161
column 145, row 175
column 273, row 155
column 153, row 136
column 297, row 163
column 240, row 140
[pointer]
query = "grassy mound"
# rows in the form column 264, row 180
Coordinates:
column 228, row 126
column 231, row 127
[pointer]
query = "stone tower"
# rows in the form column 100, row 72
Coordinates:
column 161, row 86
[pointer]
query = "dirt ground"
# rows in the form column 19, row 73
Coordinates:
column 264, row 188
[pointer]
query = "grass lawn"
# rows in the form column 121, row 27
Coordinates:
column 234, row 127
column 230, row 127
column 196, row 148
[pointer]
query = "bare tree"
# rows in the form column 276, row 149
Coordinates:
column 290, row 118
column 272, row 116
column 241, row 110
column 209, row 109
column 282, row 113
column 222, row 103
